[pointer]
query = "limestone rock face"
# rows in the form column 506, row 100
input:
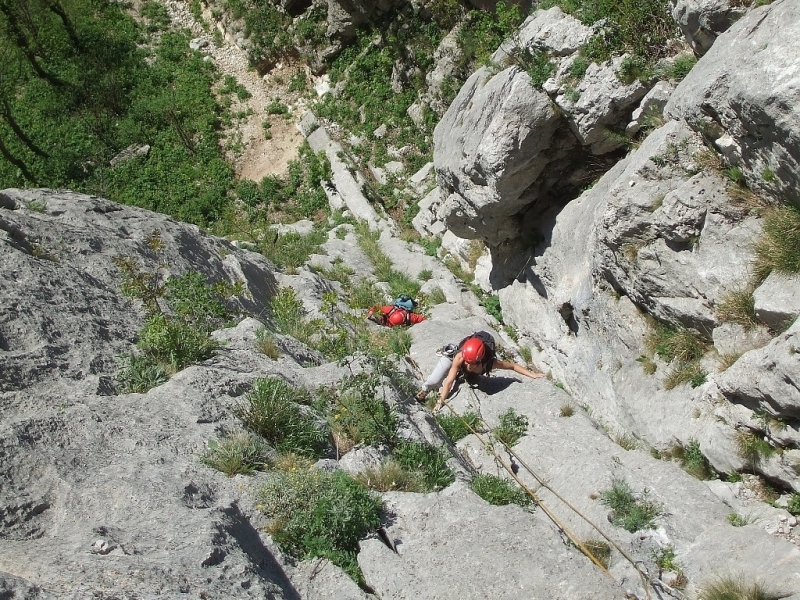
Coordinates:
column 493, row 142
column 744, row 94
column 701, row 21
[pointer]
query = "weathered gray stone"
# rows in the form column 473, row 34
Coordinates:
column 767, row 378
column 777, row 300
column 748, row 86
column 651, row 106
column 492, row 144
column 602, row 106
column 701, row 21
column 552, row 30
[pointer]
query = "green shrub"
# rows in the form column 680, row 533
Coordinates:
column 734, row 587
column 512, row 427
column 317, row 514
column 139, row 374
column 578, row 68
column 491, row 303
column 175, row 344
column 399, row 341
column 430, row 462
column 365, row 294
column 484, row 31
column 456, row 427
column 681, row 66
column 793, row 505
column 753, row 448
column 272, row 410
column 431, row 245
column 628, row 512
column 240, row 453
column 498, row 491
column 289, row 316
column 425, row 275
column 360, row 415
column 643, row 29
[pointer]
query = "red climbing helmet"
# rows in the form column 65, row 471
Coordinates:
column 397, row 317
column 473, row 351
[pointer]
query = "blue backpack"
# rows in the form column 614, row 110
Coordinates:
column 405, row 302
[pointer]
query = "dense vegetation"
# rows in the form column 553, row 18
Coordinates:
column 83, row 81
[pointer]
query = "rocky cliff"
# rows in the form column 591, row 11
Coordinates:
column 669, row 233
column 104, row 493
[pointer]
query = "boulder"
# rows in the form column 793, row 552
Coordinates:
column 777, row 300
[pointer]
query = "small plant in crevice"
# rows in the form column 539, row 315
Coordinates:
column 436, row 296
column 738, row 520
column 664, row 559
column 240, row 453
column 427, row 460
column 600, row 549
column 736, row 587
column 738, row 306
column 793, row 504
column 456, row 427
column 630, row 512
column 265, row 343
column 498, row 491
column 694, row 461
column 627, row 441
column 683, row 349
column 511, row 428
column 753, row 448
column 778, row 248
column 566, row 410
column 317, row 514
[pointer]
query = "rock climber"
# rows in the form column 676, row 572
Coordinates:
column 473, row 356
column 399, row 313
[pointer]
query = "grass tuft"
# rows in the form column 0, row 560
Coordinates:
column 498, row 491
column 512, row 427
column 240, row 453
column 628, row 512
column 735, row 587
column 455, row 427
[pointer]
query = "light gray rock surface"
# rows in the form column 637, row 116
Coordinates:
column 701, row 21
column 748, row 87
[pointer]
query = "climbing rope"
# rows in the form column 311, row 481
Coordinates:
column 647, row 581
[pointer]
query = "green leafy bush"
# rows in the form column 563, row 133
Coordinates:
column 456, row 427
column 512, row 427
column 360, row 415
column 317, row 514
column 628, row 512
column 430, row 462
column 498, row 491
column 272, row 410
